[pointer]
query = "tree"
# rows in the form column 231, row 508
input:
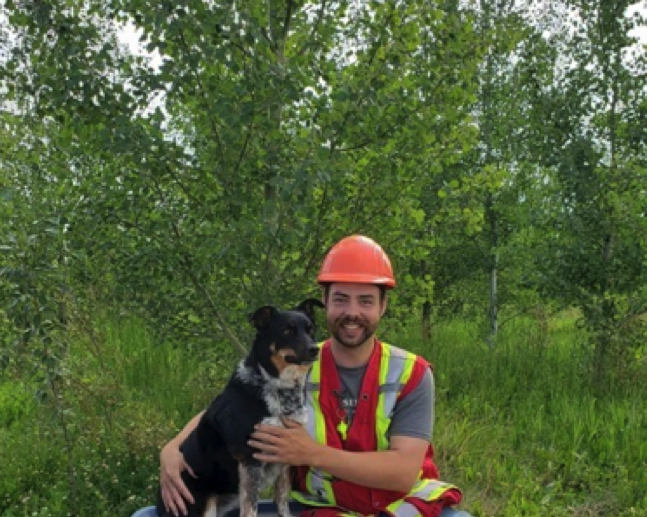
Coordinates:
column 282, row 126
column 597, row 251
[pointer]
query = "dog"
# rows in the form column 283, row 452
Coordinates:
column 267, row 386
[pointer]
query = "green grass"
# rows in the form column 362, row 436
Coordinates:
column 92, row 446
column 521, row 428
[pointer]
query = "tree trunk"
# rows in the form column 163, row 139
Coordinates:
column 493, row 310
column 427, row 310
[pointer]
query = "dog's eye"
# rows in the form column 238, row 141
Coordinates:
column 288, row 331
column 291, row 359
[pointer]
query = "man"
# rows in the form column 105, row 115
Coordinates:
column 366, row 448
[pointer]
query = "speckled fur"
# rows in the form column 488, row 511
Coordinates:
column 285, row 398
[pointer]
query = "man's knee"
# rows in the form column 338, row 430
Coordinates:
column 149, row 511
column 451, row 512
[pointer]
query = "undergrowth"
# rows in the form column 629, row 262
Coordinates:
column 519, row 428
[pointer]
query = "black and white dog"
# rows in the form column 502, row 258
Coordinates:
column 267, row 386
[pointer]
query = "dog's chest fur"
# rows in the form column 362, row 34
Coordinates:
column 284, row 396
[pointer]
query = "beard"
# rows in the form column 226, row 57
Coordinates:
column 351, row 338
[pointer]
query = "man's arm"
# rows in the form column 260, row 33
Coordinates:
column 414, row 415
column 182, row 435
column 396, row 469
column 172, row 464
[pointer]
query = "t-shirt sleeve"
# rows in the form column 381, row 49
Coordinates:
column 413, row 415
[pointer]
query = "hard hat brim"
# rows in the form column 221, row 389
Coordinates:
column 356, row 278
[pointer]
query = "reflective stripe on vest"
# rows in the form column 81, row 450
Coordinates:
column 425, row 489
column 396, row 366
column 317, row 483
column 395, row 370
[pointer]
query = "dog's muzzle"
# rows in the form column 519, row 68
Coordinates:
column 311, row 356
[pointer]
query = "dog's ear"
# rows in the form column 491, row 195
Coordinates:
column 260, row 318
column 307, row 307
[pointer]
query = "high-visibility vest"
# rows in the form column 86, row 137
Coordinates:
column 391, row 373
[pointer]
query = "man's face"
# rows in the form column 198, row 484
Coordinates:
column 353, row 312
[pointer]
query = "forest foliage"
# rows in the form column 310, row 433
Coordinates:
column 495, row 148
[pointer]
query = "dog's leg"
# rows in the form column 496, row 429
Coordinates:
column 251, row 478
column 211, row 509
column 282, row 491
column 227, row 503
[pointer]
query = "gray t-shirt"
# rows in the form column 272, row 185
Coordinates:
column 413, row 415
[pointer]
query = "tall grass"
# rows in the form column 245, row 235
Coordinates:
column 91, row 446
column 519, row 428
column 523, row 428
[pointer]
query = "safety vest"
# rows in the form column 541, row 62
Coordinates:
column 391, row 373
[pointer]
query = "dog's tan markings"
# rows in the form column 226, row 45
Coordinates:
column 294, row 373
column 278, row 358
column 304, row 369
column 211, row 508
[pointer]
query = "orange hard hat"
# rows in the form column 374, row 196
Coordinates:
column 357, row 259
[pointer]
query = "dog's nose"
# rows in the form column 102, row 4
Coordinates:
column 313, row 352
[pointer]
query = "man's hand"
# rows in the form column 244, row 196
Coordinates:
column 174, row 491
column 395, row 469
column 291, row 445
